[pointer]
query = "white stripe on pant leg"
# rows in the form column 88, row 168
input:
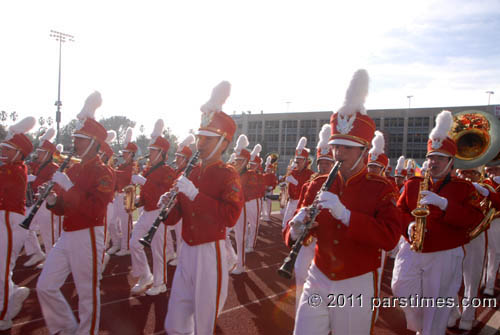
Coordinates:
column 55, row 309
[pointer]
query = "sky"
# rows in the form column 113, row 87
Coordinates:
column 161, row 59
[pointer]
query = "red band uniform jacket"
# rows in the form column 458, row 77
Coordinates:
column 444, row 229
column 84, row 205
column 342, row 251
column 216, row 207
column 159, row 179
column 13, row 183
column 302, row 177
column 123, row 176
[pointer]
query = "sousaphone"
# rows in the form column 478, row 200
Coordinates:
column 477, row 135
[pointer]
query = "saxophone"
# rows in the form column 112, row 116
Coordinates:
column 420, row 213
column 129, row 198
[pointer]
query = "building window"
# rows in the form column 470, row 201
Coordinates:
column 275, row 124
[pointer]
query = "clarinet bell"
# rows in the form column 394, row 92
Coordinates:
column 286, row 269
column 145, row 241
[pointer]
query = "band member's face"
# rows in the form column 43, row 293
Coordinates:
column 252, row 166
column 154, row 155
column 7, row 154
column 324, row 166
column 206, row 145
column 127, row 156
column 374, row 168
column 348, row 155
column 471, row 175
column 41, row 156
column 301, row 163
column 439, row 166
column 81, row 144
column 240, row 163
column 399, row 180
column 180, row 161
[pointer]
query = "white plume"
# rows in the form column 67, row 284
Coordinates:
column 186, row 142
column 256, row 151
column 60, row 147
column 128, row 136
column 401, row 164
column 356, row 94
column 410, row 164
column 324, row 136
column 22, row 127
column 241, row 143
column 268, row 161
column 425, row 166
column 220, row 93
column 111, row 136
column 158, row 130
column 92, row 102
column 444, row 121
column 302, row 144
column 48, row 136
column 378, row 144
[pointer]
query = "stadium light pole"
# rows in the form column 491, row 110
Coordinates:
column 489, row 95
column 61, row 38
column 409, row 100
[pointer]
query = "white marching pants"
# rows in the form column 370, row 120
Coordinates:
column 12, row 238
column 123, row 221
column 291, row 206
column 431, row 275
column 240, row 230
column 353, row 297
column 266, row 209
column 301, row 268
column 199, row 289
column 140, row 266
column 31, row 243
column 76, row 252
column 178, row 236
column 493, row 254
column 46, row 222
column 253, row 217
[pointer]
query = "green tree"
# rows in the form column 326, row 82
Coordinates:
column 66, row 135
column 120, row 125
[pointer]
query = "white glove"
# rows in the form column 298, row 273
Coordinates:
column 297, row 224
column 62, row 180
column 332, row 202
column 481, row 189
column 431, row 198
column 31, row 178
column 410, row 227
column 496, row 179
column 187, row 187
column 290, row 179
column 138, row 179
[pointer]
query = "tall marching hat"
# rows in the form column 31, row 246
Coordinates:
column 157, row 141
column 255, row 155
column 241, row 147
column 129, row 146
column 301, row 150
column 439, row 143
column 183, row 149
column 351, row 125
column 16, row 138
column 323, row 150
column 45, row 140
column 105, row 147
column 87, row 126
column 400, row 167
column 376, row 155
column 214, row 122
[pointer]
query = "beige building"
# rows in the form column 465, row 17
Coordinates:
column 405, row 130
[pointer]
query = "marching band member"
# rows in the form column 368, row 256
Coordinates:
column 182, row 157
column 270, row 181
column 359, row 219
column 209, row 201
column 454, row 210
column 155, row 181
column 121, row 226
column 13, row 180
column 400, row 173
column 493, row 173
column 299, row 175
column 248, row 179
column 87, row 188
column 254, row 205
column 324, row 159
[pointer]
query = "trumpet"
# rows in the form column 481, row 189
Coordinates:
column 60, row 158
column 27, row 222
column 286, row 269
column 148, row 238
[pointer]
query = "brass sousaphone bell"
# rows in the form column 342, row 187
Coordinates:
column 477, row 135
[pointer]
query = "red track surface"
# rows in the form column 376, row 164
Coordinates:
column 259, row 301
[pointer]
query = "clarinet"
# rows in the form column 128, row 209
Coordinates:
column 27, row 222
column 146, row 240
column 286, row 269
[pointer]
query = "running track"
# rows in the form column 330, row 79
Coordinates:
column 259, row 301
